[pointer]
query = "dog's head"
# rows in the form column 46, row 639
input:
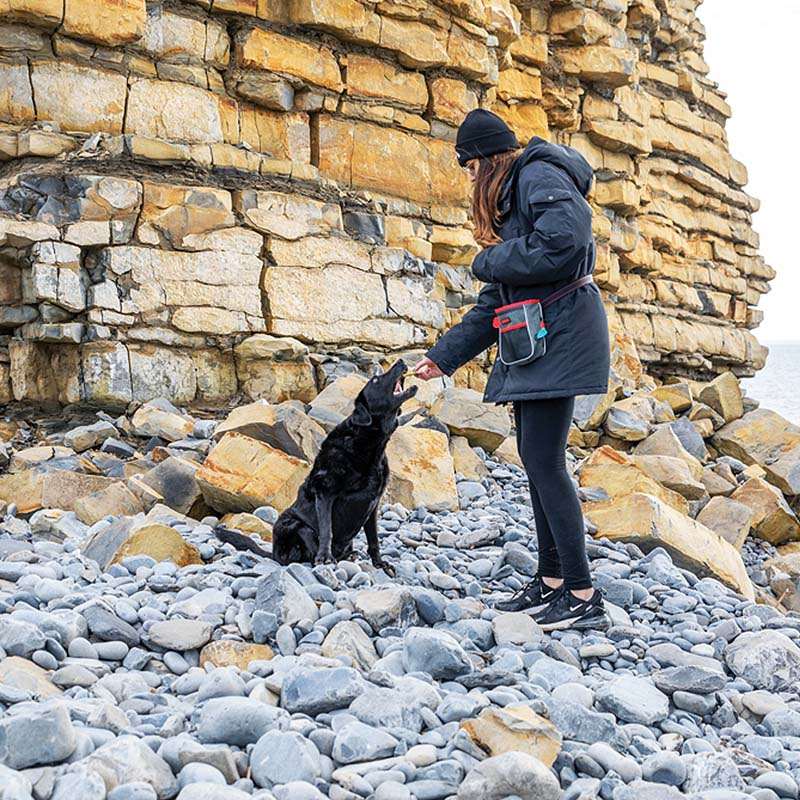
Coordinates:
column 380, row 400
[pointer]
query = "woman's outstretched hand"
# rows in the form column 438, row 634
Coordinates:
column 426, row 370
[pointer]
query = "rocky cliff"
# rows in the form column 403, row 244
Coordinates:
column 238, row 197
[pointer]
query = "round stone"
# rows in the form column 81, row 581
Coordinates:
column 782, row 784
column 633, row 700
column 238, row 720
column 284, row 756
column 200, row 773
column 180, row 634
column 510, row 774
column 133, row 791
column 666, row 768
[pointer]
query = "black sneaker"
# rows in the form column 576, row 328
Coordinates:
column 532, row 598
column 567, row 611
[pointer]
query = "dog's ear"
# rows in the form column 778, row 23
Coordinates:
column 361, row 415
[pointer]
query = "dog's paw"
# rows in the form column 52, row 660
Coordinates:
column 385, row 566
column 324, row 558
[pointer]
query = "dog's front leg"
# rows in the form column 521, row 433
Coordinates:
column 373, row 544
column 324, row 507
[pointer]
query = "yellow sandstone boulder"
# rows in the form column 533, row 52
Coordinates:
column 34, row 456
column 285, row 426
column 248, row 523
column 765, row 438
column 225, row 653
column 665, row 442
column 754, row 471
column 116, row 500
column 466, row 460
column 773, row 520
column 700, row 412
column 515, row 728
column 507, row 452
column 724, row 395
column 672, row 472
column 149, row 420
column 619, row 475
column 253, row 420
column 33, row 489
column 241, row 474
column 274, row 369
column 336, row 400
column 677, row 395
column 421, row 469
column 649, row 523
column 127, row 537
column 729, row 518
column 465, row 414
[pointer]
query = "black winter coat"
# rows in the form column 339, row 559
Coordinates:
column 546, row 229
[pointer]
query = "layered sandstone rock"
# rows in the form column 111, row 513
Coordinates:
column 646, row 521
column 674, row 490
column 184, row 178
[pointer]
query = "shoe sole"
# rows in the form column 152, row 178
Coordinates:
column 537, row 609
column 530, row 610
column 577, row 623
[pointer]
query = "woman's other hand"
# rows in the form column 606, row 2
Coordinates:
column 426, row 370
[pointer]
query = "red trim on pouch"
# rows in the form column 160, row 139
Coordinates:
column 514, row 305
column 514, row 327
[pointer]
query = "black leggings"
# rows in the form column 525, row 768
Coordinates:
column 542, row 427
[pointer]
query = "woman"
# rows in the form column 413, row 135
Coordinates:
column 531, row 217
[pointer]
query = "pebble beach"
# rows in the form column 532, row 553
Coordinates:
column 234, row 678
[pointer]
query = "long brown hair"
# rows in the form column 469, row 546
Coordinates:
column 490, row 175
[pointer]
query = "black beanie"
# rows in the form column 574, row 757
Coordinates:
column 481, row 134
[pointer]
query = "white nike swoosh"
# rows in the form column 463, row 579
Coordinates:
column 575, row 608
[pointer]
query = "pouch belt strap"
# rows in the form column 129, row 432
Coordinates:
column 565, row 290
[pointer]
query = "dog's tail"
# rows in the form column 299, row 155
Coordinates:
column 240, row 541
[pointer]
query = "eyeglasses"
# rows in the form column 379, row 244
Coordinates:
column 470, row 170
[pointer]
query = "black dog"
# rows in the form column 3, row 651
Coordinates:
column 342, row 493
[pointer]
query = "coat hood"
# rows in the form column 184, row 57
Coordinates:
column 566, row 158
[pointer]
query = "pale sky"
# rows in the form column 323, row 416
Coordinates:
column 752, row 50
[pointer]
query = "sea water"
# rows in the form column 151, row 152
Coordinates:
column 777, row 386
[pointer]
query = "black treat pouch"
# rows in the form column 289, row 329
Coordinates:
column 521, row 332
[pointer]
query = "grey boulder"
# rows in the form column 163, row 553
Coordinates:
column 434, row 652
column 633, row 700
column 42, row 736
column 238, row 720
column 765, row 659
column 511, row 774
column 284, row 756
